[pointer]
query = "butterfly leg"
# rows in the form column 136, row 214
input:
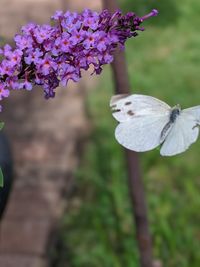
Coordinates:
column 196, row 125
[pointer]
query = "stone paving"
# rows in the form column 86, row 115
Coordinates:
column 45, row 138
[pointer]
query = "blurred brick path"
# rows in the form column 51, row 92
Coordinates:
column 45, row 137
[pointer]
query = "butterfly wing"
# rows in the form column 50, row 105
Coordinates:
column 183, row 133
column 125, row 107
column 141, row 133
column 193, row 111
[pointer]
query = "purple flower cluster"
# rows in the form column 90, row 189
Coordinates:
column 52, row 55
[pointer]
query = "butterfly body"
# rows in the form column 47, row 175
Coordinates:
column 146, row 122
column 174, row 113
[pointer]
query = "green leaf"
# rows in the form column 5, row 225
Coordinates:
column 1, row 125
column 1, row 178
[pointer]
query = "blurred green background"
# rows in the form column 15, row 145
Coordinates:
column 98, row 229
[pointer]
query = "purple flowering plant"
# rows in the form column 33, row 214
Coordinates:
column 52, row 55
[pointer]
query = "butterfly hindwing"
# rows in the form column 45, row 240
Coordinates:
column 141, row 133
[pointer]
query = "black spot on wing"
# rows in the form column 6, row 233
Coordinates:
column 116, row 110
column 130, row 112
column 128, row 103
column 113, row 106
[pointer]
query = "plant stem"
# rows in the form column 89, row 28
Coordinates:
column 136, row 187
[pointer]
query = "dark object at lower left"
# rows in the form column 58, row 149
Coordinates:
column 6, row 165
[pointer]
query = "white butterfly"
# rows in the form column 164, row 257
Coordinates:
column 147, row 122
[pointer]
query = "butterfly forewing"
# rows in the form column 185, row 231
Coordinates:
column 193, row 111
column 141, row 133
column 125, row 107
column 183, row 133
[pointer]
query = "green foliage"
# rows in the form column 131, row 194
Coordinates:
column 1, row 125
column 1, row 178
column 98, row 229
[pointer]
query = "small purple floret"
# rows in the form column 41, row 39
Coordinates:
column 153, row 13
